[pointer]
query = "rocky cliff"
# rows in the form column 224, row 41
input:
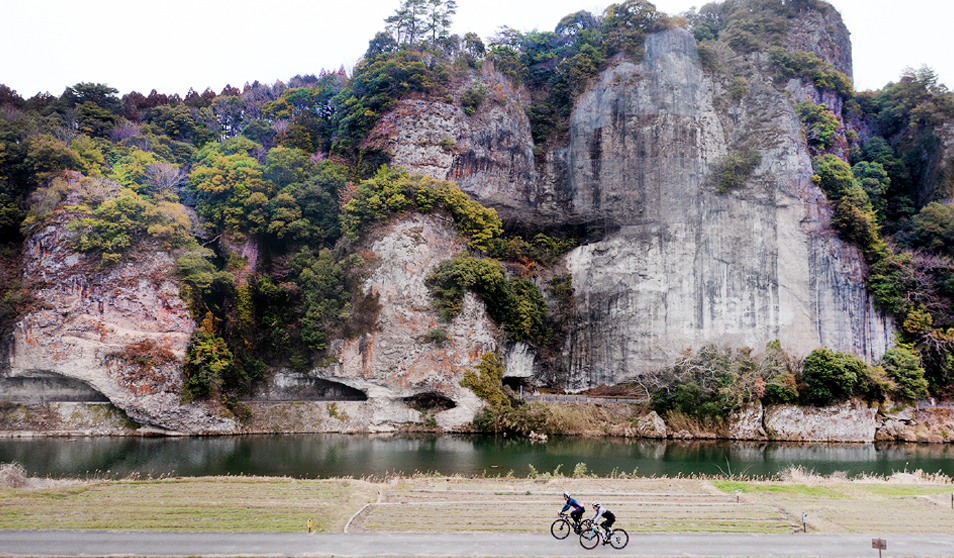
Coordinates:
column 683, row 264
column 118, row 333
column 398, row 364
column 690, row 264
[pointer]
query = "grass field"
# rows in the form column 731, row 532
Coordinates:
column 435, row 504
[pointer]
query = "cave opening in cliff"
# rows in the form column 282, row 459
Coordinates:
column 516, row 384
column 49, row 386
column 430, row 401
column 327, row 390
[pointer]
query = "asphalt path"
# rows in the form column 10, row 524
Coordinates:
column 170, row 543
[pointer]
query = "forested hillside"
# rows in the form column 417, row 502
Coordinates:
column 263, row 193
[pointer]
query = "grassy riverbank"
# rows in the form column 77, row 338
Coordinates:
column 904, row 503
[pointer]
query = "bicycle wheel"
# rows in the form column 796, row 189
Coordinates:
column 560, row 529
column 589, row 538
column 618, row 539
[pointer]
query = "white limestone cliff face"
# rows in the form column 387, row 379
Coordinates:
column 396, row 363
column 682, row 265
column 86, row 318
column 690, row 265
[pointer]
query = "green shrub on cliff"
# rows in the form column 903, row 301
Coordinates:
column 934, row 227
column 377, row 83
column 820, row 124
column 200, row 280
column 486, row 381
column 853, row 216
column 808, row 66
column 735, row 168
column 831, row 376
column 230, row 187
column 473, row 97
column 325, row 297
column 119, row 223
column 541, row 250
column 748, row 25
column 207, row 362
column 393, row 192
column 517, row 304
column 904, row 370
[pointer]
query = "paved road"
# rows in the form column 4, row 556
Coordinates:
column 155, row 543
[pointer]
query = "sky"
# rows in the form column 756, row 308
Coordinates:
column 173, row 45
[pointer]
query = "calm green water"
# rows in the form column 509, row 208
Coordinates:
column 329, row 455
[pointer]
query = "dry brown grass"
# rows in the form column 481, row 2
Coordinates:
column 240, row 504
column 591, row 418
column 13, row 475
column 797, row 474
column 709, row 427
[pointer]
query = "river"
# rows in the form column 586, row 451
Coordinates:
column 337, row 455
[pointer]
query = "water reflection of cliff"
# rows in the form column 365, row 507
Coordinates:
column 339, row 455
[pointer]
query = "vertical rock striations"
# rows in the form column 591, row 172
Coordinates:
column 690, row 264
column 685, row 262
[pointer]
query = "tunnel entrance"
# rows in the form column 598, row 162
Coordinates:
column 51, row 387
column 431, row 401
column 304, row 388
column 515, row 383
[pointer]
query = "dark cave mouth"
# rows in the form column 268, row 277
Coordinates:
column 430, row 401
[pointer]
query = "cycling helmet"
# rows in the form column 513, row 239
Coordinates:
column 566, row 494
column 596, row 504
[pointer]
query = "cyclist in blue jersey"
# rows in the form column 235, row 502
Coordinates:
column 578, row 508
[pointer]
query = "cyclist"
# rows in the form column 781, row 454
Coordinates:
column 578, row 509
column 608, row 518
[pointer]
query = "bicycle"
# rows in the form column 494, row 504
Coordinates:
column 561, row 527
column 590, row 537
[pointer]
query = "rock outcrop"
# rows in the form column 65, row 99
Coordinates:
column 122, row 332
column 488, row 154
column 92, row 330
column 852, row 421
column 684, row 264
column 397, row 363
column 689, row 264
column 823, row 33
column 746, row 423
column 651, row 426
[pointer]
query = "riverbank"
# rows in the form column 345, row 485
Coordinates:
column 909, row 503
column 851, row 421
